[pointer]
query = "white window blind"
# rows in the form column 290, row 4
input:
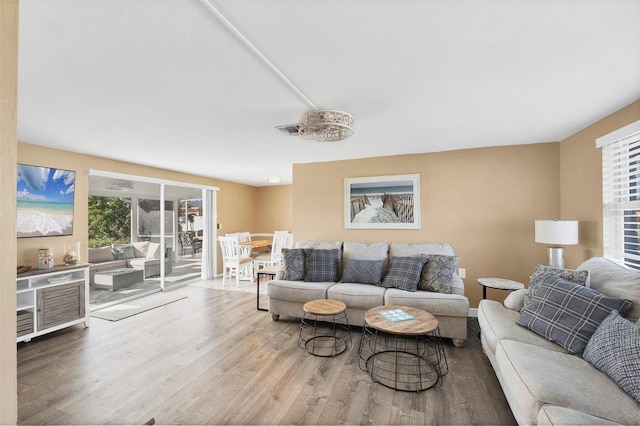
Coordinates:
column 621, row 197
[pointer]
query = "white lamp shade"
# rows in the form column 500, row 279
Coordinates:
column 561, row 232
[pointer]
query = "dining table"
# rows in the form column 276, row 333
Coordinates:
column 254, row 244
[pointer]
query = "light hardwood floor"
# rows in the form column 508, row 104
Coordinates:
column 213, row 359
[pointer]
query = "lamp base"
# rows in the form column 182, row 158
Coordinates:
column 556, row 257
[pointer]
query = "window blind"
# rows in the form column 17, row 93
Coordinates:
column 621, row 200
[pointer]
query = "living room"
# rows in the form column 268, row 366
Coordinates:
column 482, row 201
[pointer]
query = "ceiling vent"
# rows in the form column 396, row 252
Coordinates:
column 289, row 129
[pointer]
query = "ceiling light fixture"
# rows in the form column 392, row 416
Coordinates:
column 326, row 125
column 273, row 179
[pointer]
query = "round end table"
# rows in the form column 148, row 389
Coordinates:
column 498, row 283
column 324, row 328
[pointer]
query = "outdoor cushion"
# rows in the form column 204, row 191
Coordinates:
column 123, row 251
column 140, row 248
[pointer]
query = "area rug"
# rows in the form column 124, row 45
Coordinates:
column 135, row 307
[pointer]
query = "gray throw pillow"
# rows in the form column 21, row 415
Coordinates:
column 567, row 313
column 614, row 349
column 437, row 273
column 293, row 264
column 361, row 271
column 540, row 272
column 321, row 265
column 123, row 251
column 404, row 273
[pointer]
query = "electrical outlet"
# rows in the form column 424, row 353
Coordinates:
column 462, row 273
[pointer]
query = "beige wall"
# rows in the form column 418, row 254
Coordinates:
column 581, row 181
column 235, row 201
column 274, row 209
column 481, row 201
column 8, row 148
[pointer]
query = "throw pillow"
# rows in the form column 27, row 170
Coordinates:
column 362, row 271
column 140, row 248
column 614, row 349
column 437, row 273
column 153, row 251
column 567, row 313
column 404, row 273
column 540, row 272
column 293, row 264
column 321, row 265
column 515, row 300
column 123, row 251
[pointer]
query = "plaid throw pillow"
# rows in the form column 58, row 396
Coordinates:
column 567, row 313
column 322, row 265
column 293, row 264
column 614, row 349
column 362, row 271
column 541, row 272
column 404, row 273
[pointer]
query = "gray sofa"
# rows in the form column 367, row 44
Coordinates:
column 138, row 255
column 543, row 382
column 287, row 297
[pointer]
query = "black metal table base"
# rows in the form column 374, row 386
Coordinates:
column 324, row 335
column 406, row 363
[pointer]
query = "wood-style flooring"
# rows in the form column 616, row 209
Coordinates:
column 213, row 359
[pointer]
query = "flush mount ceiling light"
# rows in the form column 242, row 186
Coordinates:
column 273, row 179
column 325, row 125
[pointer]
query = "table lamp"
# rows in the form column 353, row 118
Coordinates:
column 556, row 233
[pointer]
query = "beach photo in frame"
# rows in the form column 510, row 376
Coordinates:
column 382, row 202
column 45, row 198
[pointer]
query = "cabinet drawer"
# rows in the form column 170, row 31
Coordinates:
column 25, row 323
column 60, row 304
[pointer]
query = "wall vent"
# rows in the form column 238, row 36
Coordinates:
column 289, row 129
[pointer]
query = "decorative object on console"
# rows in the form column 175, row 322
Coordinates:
column 45, row 258
column 71, row 253
column 325, row 125
column 557, row 233
column 382, row 202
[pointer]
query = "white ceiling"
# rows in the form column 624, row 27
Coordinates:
column 165, row 83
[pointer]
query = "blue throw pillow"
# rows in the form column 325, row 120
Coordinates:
column 404, row 273
column 321, row 265
column 361, row 271
column 293, row 264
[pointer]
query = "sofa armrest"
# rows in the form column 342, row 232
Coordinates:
column 457, row 285
column 515, row 300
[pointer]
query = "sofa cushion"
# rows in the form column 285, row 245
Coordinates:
column 567, row 313
column 363, row 251
column 438, row 304
column 437, row 273
column 404, row 273
column 361, row 271
column 408, row 250
column 532, row 377
column 321, row 265
column 322, row 245
column 123, row 251
column 498, row 322
column 562, row 416
column 616, row 281
column 153, row 252
column 298, row 291
column 614, row 349
column 293, row 264
column 140, row 248
column 357, row 296
column 100, row 254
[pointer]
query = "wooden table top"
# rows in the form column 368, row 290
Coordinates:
column 423, row 322
column 257, row 243
column 324, row 307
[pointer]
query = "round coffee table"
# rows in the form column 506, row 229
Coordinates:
column 404, row 355
column 324, row 328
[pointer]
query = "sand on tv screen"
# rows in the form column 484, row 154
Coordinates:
column 45, row 201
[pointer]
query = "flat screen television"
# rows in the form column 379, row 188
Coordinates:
column 45, row 198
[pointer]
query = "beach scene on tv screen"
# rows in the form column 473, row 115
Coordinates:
column 44, row 201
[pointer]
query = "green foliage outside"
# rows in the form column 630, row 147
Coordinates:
column 109, row 221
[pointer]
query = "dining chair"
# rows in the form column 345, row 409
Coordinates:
column 288, row 242
column 235, row 262
column 243, row 237
column 275, row 257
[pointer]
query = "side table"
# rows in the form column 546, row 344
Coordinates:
column 498, row 283
column 271, row 271
column 324, row 328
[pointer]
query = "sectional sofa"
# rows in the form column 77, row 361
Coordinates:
column 546, row 383
column 365, row 289
column 142, row 255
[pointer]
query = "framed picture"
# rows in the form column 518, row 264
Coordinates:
column 382, row 202
column 45, row 199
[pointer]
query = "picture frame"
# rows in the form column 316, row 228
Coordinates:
column 382, row 202
column 45, row 201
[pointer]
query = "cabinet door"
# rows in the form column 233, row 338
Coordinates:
column 60, row 304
